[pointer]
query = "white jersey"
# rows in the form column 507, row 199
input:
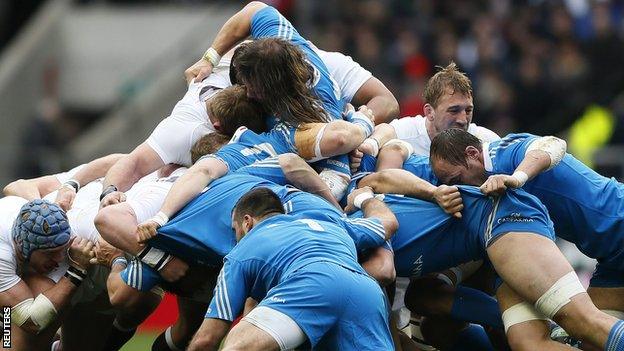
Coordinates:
column 413, row 130
column 175, row 135
column 145, row 197
column 65, row 176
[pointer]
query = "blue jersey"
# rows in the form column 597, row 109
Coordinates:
column 271, row 252
column 269, row 23
column 587, row 208
column 366, row 233
column 429, row 240
column 201, row 232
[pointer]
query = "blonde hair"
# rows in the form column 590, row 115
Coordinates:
column 449, row 77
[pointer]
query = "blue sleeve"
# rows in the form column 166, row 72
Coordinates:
column 140, row 276
column 230, row 293
column 420, row 167
column 508, row 152
column 269, row 23
column 366, row 232
column 518, row 211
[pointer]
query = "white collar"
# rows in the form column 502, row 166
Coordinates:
column 487, row 160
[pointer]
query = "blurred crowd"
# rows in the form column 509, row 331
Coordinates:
column 536, row 65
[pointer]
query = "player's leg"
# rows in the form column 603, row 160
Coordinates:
column 533, row 266
column 177, row 337
column 87, row 324
column 247, row 336
column 606, row 290
column 526, row 328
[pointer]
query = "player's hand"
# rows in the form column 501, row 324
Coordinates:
column 146, row 231
column 355, row 160
column 449, row 199
column 366, row 111
column 198, row 71
column 497, row 184
column 105, row 253
column 113, row 198
column 174, row 270
column 65, row 197
column 80, row 253
column 350, row 208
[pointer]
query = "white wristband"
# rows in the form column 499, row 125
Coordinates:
column 211, row 55
column 360, row 198
column 521, row 177
column 160, row 218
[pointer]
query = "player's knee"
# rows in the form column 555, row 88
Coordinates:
column 204, row 341
column 425, row 296
column 125, row 298
column 104, row 221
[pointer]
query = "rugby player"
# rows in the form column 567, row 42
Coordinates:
column 582, row 203
column 514, row 231
column 286, row 263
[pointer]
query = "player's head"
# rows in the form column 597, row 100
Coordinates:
column 456, row 158
column 230, row 109
column 448, row 100
column 252, row 208
column 208, row 144
column 41, row 234
column 277, row 75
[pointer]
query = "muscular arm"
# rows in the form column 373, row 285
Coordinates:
column 399, row 181
column 97, row 168
column 380, row 265
column 237, row 28
column 191, row 184
column 373, row 208
column 543, row 154
column 142, row 161
column 393, row 155
column 209, row 335
column 378, row 98
column 301, row 175
column 31, row 189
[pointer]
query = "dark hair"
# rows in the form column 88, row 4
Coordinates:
column 258, row 203
column 279, row 72
column 449, row 77
column 450, row 145
column 208, row 144
column 233, row 109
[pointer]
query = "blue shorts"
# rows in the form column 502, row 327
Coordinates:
column 606, row 277
column 336, row 308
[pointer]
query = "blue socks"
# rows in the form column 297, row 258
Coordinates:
column 475, row 306
column 473, row 338
column 615, row 342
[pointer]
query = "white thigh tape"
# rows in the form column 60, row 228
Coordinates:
column 21, row 312
column 559, row 294
column 42, row 311
column 519, row 313
column 281, row 327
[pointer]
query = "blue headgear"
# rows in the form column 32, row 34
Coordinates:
column 40, row 224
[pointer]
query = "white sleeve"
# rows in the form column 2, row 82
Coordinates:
column 65, row 176
column 8, row 267
column 405, row 128
column 483, row 133
column 172, row 140
column 349, row 75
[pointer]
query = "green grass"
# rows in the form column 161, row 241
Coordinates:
column 140, row 342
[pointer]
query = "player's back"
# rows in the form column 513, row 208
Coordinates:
column 202, row 231
column 280, row 245
column 587, row 208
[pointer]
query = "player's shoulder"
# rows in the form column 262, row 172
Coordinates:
column 484, row 134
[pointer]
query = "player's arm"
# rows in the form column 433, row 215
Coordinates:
column 235, row 30
column 90, row 172
column 315, row 141
column 383, row 134
column 399, row 181
column 185, row 189
column 372, row 208
column 34, row 314
column 299, row 173
column 378, row 98
column 542, row 154
column 380, row 265
column 142, row 161
column 393, row 154
column 31, row 189
column 229, row 299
